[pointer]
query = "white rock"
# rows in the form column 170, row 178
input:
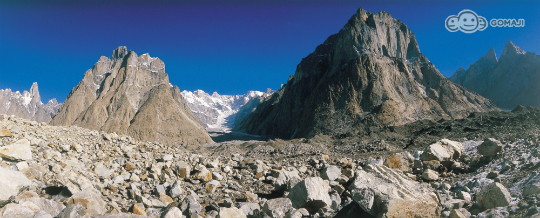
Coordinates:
column 331, row 173
column 20, row 150
column 430, row 175
column 174, row 212
column 384, row 192
column 494, row 195
column 232, row 212
column 311, row 193
column 10, row 184
column 15, row 211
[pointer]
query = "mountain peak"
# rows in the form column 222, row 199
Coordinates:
column 490, row 55
column 119, row 53
column 511, row 50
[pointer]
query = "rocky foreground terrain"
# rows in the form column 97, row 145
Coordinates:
column 485, row 165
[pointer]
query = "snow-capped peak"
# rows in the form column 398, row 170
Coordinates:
column 218, row 112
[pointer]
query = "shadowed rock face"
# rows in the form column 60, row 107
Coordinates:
column 371, row 73
column 27, row 105
column 131, row 94
column 511, row 81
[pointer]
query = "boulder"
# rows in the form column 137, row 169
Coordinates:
column 277, row 207
column 41, row 214
column 494, row 195
column 442, row 150
column 173, row 212
column 18, row 151
column 5, row 133
column 284, row 177
column 231, row 212
column 11, row 183
column 490, row 147
column 384, row 192
column 311, row 193
column 183, row 170
column 15, row 211
column 331, row 172
column 175, row 190
column 49, row 206
column 430, row 175
column 73, row 211
column 249, row 208
column 190, row 205
column 90, row 199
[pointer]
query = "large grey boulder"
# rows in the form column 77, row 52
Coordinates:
column 331, row 172
column 494, row 195
column 277, row 207
column 311, row 193
column 490, row 147
column 284, row 178
column 384, row 192
column 11, row 183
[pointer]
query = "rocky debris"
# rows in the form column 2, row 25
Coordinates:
column 507, row 82
column 490, row 147
column 364, row 76
column 27, row 105
column 494, row 195
column 126, row 95
column 384, row 192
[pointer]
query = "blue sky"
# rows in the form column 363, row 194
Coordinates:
column 226, row 46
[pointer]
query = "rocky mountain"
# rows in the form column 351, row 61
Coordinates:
column 220, row 112
column 130, row 94
column 27, row 105
column 508, row 82
column 371, row 73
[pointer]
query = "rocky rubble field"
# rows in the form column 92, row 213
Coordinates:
column 50, row 171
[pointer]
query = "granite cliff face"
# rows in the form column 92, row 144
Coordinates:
column 27, row 105
column 220, row 112
column 511, row 81
column 371, row 73
column 131, row 94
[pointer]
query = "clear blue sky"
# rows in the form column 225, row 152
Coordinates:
column 228, row 46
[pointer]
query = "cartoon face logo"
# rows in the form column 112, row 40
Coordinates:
column 466, row 21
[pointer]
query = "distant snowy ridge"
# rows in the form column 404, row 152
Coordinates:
column 27, row 105
column 219, row 112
